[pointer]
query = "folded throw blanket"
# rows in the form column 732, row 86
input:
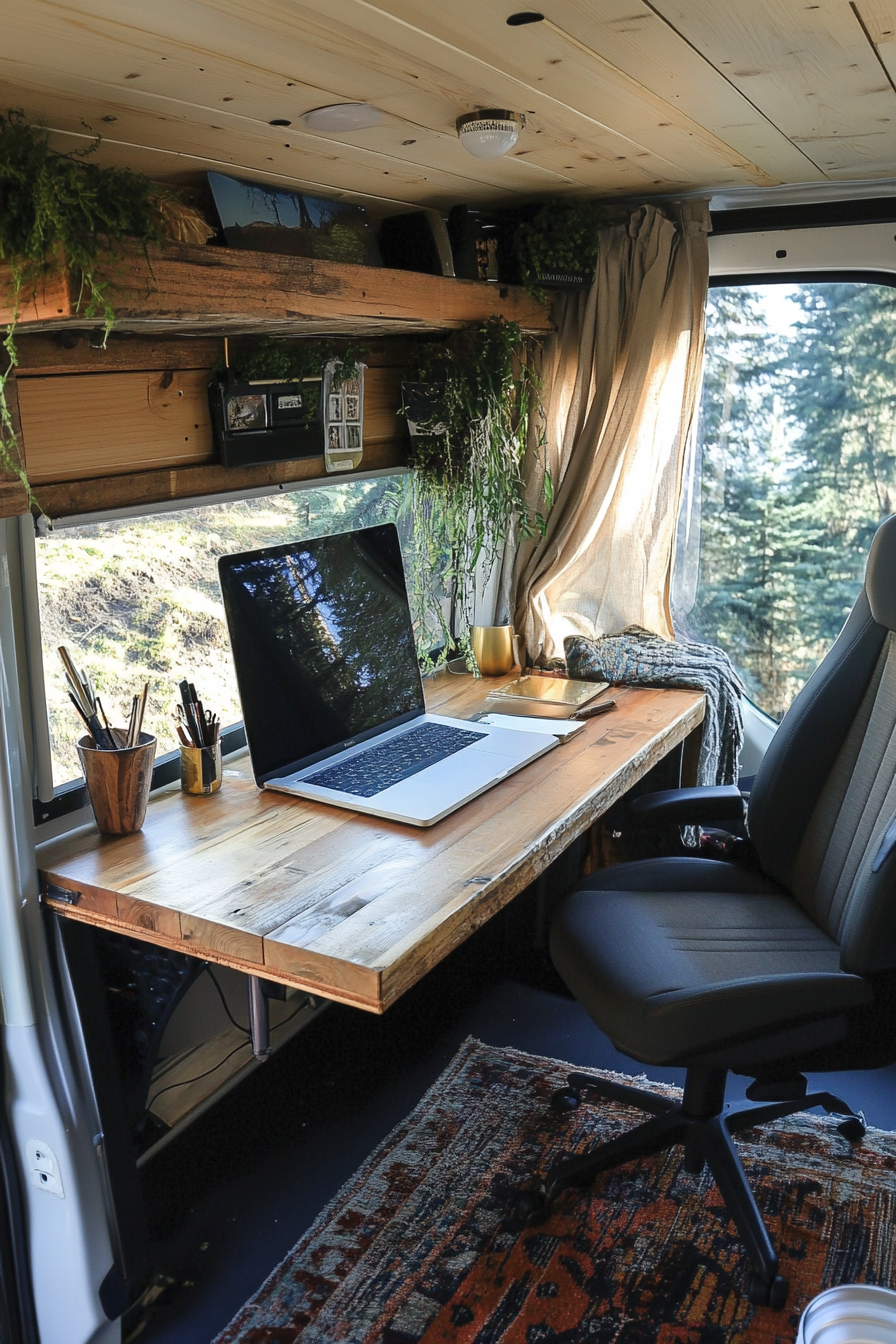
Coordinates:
column 639, row 658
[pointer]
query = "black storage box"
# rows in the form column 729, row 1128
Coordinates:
column 256, row 423
column 416, row 241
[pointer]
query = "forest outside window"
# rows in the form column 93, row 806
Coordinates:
column 793, row 469
column 139, row 600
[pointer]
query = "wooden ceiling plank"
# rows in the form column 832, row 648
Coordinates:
column 639, row 42
column 606, row 98
column 462, row 87
column 811, row 70
column 622, row 97
column 354, row 170
column 432, row 109
column 570, row 70
column 878, row 20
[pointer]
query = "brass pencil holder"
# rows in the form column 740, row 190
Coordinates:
column 201, row 770
column 492, row 648
column 118, row 783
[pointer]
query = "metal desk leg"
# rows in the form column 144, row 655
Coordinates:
column 259, row 1020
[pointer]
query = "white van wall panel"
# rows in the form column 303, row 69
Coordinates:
column 865, row 247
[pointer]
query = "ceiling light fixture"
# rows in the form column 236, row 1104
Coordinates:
column 343, row 117
column 490, row 132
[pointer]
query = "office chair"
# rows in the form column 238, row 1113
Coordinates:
column 764, row 970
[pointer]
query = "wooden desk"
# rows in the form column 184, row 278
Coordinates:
column 343, row 905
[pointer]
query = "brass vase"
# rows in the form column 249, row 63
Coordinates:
column 493, row 649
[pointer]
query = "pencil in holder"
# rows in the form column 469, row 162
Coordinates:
column 201, row 770
column 118, row 783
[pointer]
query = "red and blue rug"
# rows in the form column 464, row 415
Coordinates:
column 417, row 1245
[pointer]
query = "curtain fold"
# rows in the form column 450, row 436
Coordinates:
column 621, row 380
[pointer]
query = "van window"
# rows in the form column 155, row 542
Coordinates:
column 138, row 599
column 792, row 470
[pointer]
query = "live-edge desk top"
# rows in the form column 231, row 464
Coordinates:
column 343, row 905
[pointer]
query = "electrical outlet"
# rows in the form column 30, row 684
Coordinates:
column 43, row 1168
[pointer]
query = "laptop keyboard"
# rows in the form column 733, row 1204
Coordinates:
column 378, row 768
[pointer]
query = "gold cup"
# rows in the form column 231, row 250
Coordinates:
column 201, row 770
column 493, row 649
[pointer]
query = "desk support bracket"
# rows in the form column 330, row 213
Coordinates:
column 259, row 1019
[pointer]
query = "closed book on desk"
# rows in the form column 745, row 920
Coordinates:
column 549, row 697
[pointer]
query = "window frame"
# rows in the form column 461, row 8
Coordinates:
column 800, row 251
column 52, row 805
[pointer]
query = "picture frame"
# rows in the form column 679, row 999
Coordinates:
column 247, row 412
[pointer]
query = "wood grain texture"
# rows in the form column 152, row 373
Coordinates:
column 811, row 69
column 622, row 98
column 352, row 907
column 77, row 426
column 155, row 487
column 103, row 424
column 196, row 87
column 180, row 288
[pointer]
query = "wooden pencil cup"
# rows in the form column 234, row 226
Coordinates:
column 118, row 783
column 201, row 770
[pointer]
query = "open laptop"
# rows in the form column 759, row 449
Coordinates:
column 330, row 685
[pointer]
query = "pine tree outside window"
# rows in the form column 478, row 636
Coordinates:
column 794, row 468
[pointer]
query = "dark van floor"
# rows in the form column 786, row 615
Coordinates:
column 232, row 1195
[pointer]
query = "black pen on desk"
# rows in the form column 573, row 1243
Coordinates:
column 590, row 711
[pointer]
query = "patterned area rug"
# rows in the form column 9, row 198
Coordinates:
column 417, row 1247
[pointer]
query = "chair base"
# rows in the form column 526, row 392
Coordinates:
column 704, row 1126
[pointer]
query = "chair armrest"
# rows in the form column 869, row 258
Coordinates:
column 688, row 807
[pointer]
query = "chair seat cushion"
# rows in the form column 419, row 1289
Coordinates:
column 679, row 970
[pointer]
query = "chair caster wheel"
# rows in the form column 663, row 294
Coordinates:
column 764, row 1294
column 853, row 1128
column 565, row 1100
column 529, row 1203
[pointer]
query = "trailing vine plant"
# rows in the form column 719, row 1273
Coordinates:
column 561, row 235
column 59, row 213
column 266, row 359
column 465, row 494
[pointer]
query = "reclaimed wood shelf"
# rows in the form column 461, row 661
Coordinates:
column 351, row 907
column 184, row 289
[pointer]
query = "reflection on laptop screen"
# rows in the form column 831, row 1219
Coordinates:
column 322, row 643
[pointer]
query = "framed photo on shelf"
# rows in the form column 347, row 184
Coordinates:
column 247, row 412
column 343, row 401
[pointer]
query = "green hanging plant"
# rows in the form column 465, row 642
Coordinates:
column 59, row 214
column 267, row 359
column 561, row 238
column 465, row 495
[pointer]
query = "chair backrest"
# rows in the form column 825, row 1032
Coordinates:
column 825, row 794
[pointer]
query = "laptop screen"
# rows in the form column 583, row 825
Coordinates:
column 322, row 644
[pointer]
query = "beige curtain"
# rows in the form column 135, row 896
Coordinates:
column 621, row 380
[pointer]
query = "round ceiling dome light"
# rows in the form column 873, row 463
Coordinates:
column 343, row 117
column 490, row 132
